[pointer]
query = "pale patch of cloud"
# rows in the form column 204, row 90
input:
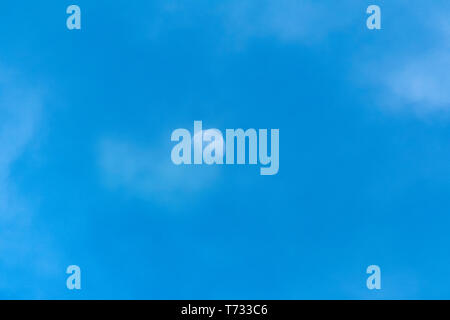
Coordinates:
column 304, row 21
column 416, row 80
column 21, row 249
column 240, row 21
column 148, row 173
column 20, row 112
column 422, row 83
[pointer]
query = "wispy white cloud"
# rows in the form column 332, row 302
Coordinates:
column 21, row 249
column 240, row 21
column 422, row 82
column 20, row 111
column 304, row 21
column 148, row 173
column 416, row 80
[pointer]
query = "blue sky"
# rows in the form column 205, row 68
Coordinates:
column 85, row 171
